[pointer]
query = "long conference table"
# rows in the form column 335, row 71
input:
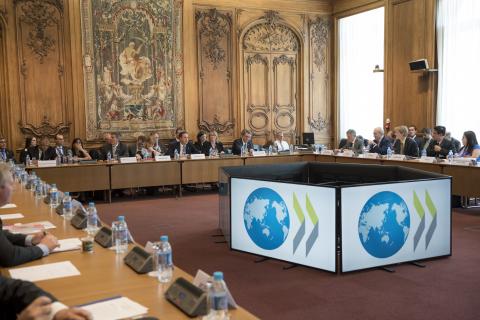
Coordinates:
column 103, row 273
column 110, row 176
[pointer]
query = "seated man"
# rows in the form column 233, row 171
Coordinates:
column 174, row 141
column 244, row 143
column 183, row 146
column 404, row 144
column 23, row 300
column 354, row 143
column 59, row 150
column 380, row 144
column 456, row 143
column 16, row 249
column 116, row 148
column 5, row 154
column 201, row 142
column 425, row 140
column 412, row 133
column 280, row 142
column 439, row 146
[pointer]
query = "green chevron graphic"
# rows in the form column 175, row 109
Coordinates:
column 421, row 213
column 433, row 212
column 314, row 235
column 301, row 217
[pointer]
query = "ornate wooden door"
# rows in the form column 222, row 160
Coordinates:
column 270, row 81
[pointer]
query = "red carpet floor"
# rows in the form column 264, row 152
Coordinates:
column 446, row 289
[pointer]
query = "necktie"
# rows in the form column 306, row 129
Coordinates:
column 114, row 149
column 4, row 155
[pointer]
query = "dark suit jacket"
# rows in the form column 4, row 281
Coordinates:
column 16, row 295
column 342, row 143
column 237, row 146
column 12, row 249
column 456, row 144
column 381, row 148
column 207, row 146
column 51, row 153
column 418, row 141
column 122, row 151
column 446, row 146
column 410, row 148
column 189, row 149
column 356, row 146
column 9, row 155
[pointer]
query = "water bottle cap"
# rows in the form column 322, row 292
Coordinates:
column 67, row 193
column 218, row 275
column 121, row 218
column 164, row 238
column 91, row 204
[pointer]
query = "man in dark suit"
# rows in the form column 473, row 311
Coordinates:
column 439, row 146
column 23, row 300
column 5, row 154
column 404, row 144
column 353, row 143
column 244, row 143
column 174, row 141
column 16, row 249
column 425, row 140
column 183, row 146
column 412, row 133
column 380, row 144
column 115, row 147
column 455, row 142
column 59, row 150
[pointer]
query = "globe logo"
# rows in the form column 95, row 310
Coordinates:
column 266, row 218
column 384, row 224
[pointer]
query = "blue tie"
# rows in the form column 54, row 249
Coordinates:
column 4, row 155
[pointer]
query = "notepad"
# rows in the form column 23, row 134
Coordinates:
column 116, row 308
column 29, row 228
column 8, row 206
column 11, row 216
column 68, row 245
column 45, row 271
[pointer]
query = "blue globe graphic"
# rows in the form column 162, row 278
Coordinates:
column 266, row 218
column 384, row 224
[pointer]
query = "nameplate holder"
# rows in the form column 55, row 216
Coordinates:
column 162, row 158
column 46, row 163
column 345, row 154
column 369, row 155
column 189, row 298
column 327, row 152
column 427, row 159
column 259, row 153
column 139, row 260
column 46, row 200
column 199, row 156
column 104, row 237
column 398, row 157
column 79, row 220
column 128, row 160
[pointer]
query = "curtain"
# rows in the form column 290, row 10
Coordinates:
column 458, row 40
column 361, row 47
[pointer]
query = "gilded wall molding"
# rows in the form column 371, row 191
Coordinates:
column 270, row 37
column 46, row 128
column 320, row 31
column 216, row 125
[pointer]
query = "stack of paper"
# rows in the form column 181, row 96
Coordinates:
column 45, row 271
column 8, row 206
column 116, row 308
column 11, row 216
column 68, row 245
column 29, row 228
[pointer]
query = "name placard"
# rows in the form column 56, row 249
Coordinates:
column 345, row 153
column 369, row 155
column 259, row 153
column 46, row 163
column 427, row 159
column 398, row 157
column 198, row 156
column 128, row 160
column 327, row 152
column 162, row 158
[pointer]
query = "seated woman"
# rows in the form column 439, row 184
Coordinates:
column 154, row 143
column 142, row 149
column 29, row 142
column 471, row 148
column 280, row 142
column 78, row 152
column 404, row 144
column 212, row 146
column 201, row 141
column 43, row 148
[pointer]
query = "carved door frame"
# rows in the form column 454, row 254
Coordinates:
column 271, row 18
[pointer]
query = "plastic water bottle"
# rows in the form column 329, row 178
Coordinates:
column 450, row 156
column 389, row 153
column 92, row 219
column 28, row 161
column 69, row 156
column 218, row 298
column 424, row 154
column 270, row 150
column 290, row 148
column 165, row 261
column 67, row 206
column 120, row 235
column 176, row 156
column 54, row 196
column 109, row 156
column 38, row 189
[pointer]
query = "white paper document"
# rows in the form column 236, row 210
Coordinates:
column 45, row 271
column 118, row 308
column 11, row 216
column 8, row 206
column 68, row 245
column 200, row 281
column 29, row 228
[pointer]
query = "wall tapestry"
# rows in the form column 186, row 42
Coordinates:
column 133, row 66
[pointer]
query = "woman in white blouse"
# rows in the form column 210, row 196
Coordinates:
column 280, row 143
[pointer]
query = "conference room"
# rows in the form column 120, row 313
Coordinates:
column 223, row 159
